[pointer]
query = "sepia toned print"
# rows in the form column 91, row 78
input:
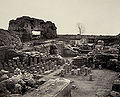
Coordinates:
column 59, row 48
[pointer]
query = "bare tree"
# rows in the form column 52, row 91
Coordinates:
column 81, row 28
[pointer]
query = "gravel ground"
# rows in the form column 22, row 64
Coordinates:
column 100, row 86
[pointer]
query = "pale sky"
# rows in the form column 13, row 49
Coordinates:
column 101, row 17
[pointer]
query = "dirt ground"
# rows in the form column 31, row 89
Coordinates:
column 101, row 84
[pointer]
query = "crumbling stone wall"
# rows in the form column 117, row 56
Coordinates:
column 25, row 25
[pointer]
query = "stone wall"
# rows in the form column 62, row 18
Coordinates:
column 91, row 38
column 25, row 25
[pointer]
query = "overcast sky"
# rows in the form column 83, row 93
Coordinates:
column 98, row 16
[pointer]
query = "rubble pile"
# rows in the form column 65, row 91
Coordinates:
column 19, row 77
column 19, row 82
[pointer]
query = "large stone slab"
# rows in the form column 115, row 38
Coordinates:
column 59, row 87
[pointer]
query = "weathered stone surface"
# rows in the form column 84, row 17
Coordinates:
column 49, row 30
column 9, row 38
column 59, row 87
column 25, row 25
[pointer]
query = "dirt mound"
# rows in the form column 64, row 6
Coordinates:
column 9, row 38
